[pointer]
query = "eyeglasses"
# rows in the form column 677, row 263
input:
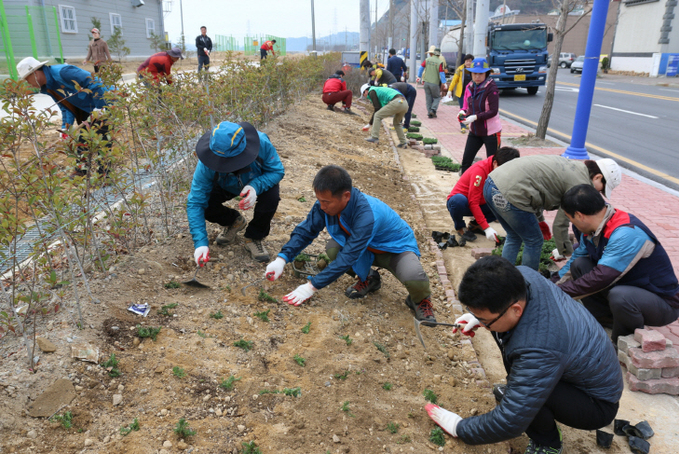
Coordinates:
column 504, row 311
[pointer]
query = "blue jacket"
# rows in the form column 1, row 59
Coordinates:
column 76, row 105
column 365, row 226
column 556, row 340
column 263, row 174
column 396, row 66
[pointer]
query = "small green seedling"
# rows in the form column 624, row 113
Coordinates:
column 415, row 123
column 251, row 448
column 323, row 256
column 345, row 408
column 405, row 438
column 125, row 430
column 217, row 315
column 201, row 334
column 301, row 361
column 430, row 396
column 413, row 129
column 382, row 348
column 294, row 392
column 183, row 430
column 302, row 257
column 387, row 386
column 66, row 420
column 430, row 140
column 342, row 376
column 172, row 284
column 151, row 332
column 178, row 372
column 436, row 436
column 112, row 366
column 263, row 296
column 229, row 383
column 306, row 328
column 347, row 339
column 301, row 199
column 165, row 310
column 263, row 316
column 392, row 427
column 245, row 345
column 228, row 287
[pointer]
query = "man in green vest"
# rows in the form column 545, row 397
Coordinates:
column 434, row 81
column 387, row 102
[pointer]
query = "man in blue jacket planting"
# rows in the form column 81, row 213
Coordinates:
column 235, row 159
column 364, row 232
column 560, row 364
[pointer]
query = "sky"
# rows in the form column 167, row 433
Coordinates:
column 284, row 18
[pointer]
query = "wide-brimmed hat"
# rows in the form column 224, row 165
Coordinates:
column 175, row 52
column 28, row 66
column 612, row 174
column 228, row 147
column 431, row 50
column 479, row 65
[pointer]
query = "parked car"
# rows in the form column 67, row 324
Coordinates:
column 576, row 66
column 566, row 59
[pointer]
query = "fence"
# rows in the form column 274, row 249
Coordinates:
column 252, row 44
column 226, row 43
column 28, row 31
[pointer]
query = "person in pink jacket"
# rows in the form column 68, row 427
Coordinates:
column 480, row 113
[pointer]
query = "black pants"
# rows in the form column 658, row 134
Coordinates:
column 265, row 208
column 85, row 160
column 572, row 407
column 629, row 307
column 203, row 61
column 411, row 94
column 262, row 54
column 474, row 144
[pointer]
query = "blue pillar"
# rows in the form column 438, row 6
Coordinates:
column 597, row 26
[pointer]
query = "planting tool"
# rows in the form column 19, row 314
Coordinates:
column 193, row 282
column 251, row 284
column 426, row 323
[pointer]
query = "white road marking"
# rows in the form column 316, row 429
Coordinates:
column 569, row 89
column 668, row 89
column 627, row 111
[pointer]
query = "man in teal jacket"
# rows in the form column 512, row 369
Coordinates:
column 364, row 232
column 235, row 159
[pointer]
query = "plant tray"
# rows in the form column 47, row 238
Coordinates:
column 415, row 123
column 307, row 269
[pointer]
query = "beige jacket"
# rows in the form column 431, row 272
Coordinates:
column 97, row 52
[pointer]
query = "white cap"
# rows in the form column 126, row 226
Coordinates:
column 28, row 66
column 364, row 88
column 611, row 172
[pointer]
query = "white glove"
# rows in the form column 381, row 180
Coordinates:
column 470, row 119
column 300, row 295
column 366, row 127
column 461, row 113
column 491, row 234
column 418, row 80
column 207, row 52
column 448, row 97
column 471, row 322
column 274, row 269
column 445, row 87
column 249, row 198
column 556, row 256
column 444, row 418
column 201, row 255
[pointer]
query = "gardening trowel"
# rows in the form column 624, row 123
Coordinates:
column 194, row 283
column 251, row 284
column 426, row 323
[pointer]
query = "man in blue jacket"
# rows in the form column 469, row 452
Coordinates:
column 620, row 270
column 364, row 232
column 397, row 66
column 560, row 364
column 235, row 159
column 82, row 106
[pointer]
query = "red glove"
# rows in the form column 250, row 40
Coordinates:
column 546, row 234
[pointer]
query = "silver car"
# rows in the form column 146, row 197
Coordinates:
column 576, row 67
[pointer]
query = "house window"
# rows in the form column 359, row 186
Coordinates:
column 116, row 22
column 68, row 22
column 150, row 27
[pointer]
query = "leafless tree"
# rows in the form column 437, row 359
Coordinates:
column 460, row 8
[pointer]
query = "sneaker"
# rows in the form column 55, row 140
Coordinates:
column 348, row 110
column 430, row 115
column 463, row 130
column 331, row 108
column 433, row 114
column 402, row 145
column 468, row 235
column 535, row 448
column 228, row 235
column 372, row 140
column 361, row 288
column 474, row 226
column 256, row 250
column 423, row 310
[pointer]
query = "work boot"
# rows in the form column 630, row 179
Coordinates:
column 256, row 250
column 474, row 226
column 468, row 235
column 430, row 115
column 347, row 110
column 402, row 145
column 361, row 288
column 535, row 448
column 228, row 235
column 423, row 310
column 433, row 114
column 331, row 108
column 372, row 140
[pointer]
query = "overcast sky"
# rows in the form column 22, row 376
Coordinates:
column 284, row 18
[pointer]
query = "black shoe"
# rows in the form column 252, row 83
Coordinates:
column 332, row 108
column 361, row 288
column 423, row 310
column 402, row 145
column 433, row 114
column 474, row 226
column 347, row 110
column 430, row 115
column 468, row 235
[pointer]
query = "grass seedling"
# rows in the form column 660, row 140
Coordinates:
column 345, row 408
column 201, row 334
column 112, row 365
column 228, row 383
column 302, row 257
column 436, row 436
column 217, row 315
column 430, row 396
column 263, row 296
column 301, row 361
column 387, row 386
column 125, row 430
column 294, row 392
column 245, row 345
column 251, row 448
column 342, row 376
column 66, row 420
column 403, row 440
column 382, row 348
column 306, row 328
column 151, row 332
column 172, row 284
column 263, row 316
column 178, row 372
column 301, row 199
column 165, row 310
column 347, row 339
column 183, row 430
column 392, row 427
column 228, row 287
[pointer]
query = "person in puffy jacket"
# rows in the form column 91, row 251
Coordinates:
column 480, row 113
column 365, row 232
column 97, row 51
column 560, row 364
column 335, row 90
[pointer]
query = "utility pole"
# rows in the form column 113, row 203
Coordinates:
column 376, row 34
column 412, row 60
column 469, row 28
column 181, row 14
column 364, row 35
column 434, row 23
column 313, row 28
column 481, row 28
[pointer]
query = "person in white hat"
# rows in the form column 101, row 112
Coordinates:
column 77, row 93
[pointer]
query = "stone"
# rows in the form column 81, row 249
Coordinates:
column 650, row 340
column 61, row 393
column 627, row 342
column 32, row 434
column 659, row 386
column 478, row 253
column 670, row 372
column 654, row 360
column 167, row 444
column 45, row 346
column 335, row 439
column 641, row 374
column 182, row 446
column 89, row 442
column 240, row 427
column 117, row 399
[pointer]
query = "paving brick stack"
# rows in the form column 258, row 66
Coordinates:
column 651, row 360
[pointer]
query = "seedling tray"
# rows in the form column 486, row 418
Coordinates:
column 308, row 268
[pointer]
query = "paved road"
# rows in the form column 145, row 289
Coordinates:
column 638, row 125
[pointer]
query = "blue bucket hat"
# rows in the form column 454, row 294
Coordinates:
column 479, row 65
column 228, row 147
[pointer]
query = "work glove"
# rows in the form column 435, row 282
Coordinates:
column 202, row 255
column 448, row 97
column 447, row 420
column 249, row 198
column 418, row 80
column 366, row 127
column 471, row 322
column 444, row 87
column 546, row 234
column 207, row 52
column 274, row 269
column 461, row 114
column 469, row 120
column 556, row 256
column 491, row 234
column 300, row 295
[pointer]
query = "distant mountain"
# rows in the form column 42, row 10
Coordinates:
column 337, row 40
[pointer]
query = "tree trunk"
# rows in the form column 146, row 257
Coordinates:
column 460, row 55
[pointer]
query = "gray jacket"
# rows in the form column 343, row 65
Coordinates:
column 557, row 339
